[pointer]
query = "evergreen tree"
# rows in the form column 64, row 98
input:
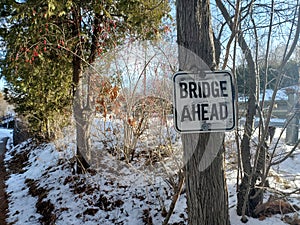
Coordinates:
column 48, row 44
column 290, row 78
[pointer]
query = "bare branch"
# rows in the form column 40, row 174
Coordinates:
column 295, row 41
column 287, row 155
column 233, row 33
column 267, row 54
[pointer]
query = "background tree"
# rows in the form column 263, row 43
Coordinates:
column 37, row 77
column 290, row 78
column 76, row 33
column 254, row 37
column 42, row 95
column 206, row 189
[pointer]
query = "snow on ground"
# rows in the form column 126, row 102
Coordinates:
column 42, row 187
column 5, row 133
column 280, row 95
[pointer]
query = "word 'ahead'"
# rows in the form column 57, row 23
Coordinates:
column 203, row 102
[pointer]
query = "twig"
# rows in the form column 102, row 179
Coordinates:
column 175, row 198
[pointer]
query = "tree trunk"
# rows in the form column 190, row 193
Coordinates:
column 207, row 198
column 81, row 119
column 81, row 106
column 206, row 189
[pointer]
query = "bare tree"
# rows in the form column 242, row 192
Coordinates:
column 255, row 37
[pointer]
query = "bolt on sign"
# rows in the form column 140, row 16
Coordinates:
column 203, row 101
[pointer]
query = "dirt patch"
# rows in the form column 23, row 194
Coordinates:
column 43, row 205
column 19, row 162
column 3, row 176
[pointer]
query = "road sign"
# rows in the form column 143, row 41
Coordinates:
column 203, row 102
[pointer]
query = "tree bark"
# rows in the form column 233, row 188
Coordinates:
column 81, row 118
column 206, row 189
column 207, row 198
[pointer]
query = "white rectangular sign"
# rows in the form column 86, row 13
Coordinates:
column 203, row 102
